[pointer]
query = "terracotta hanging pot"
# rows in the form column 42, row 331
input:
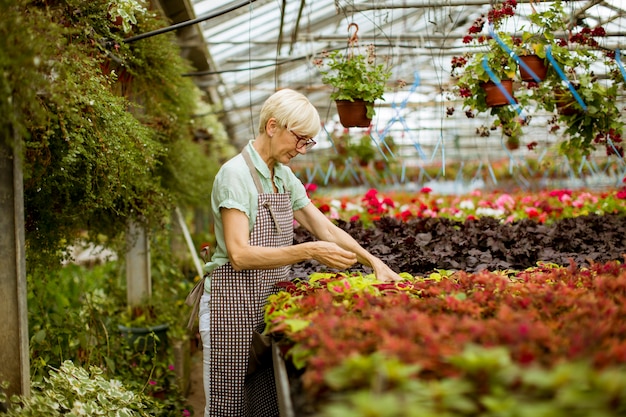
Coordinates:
column 494, row 97
column 536, row 64
column 512, row 143
column 353, row 113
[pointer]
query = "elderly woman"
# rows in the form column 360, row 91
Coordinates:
column 255, row 199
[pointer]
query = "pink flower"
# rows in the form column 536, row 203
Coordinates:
column 505, row 201
column 170, row 367
column 152, row 382
column 186, row 413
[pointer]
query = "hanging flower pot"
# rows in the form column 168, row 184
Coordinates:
column 566, row 104
column 512, row 143
column 353, row 113
column 536, row 64
column 357, row 77
column 494, row 96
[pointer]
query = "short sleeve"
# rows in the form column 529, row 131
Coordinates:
column 233, row 188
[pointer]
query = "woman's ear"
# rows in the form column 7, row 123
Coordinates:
column 270, row 127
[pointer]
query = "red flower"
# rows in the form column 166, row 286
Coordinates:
column 325, row 208
column 310, row 188
column 532, row 212
column 389, row 202
column 370, row 194
column 426, row 190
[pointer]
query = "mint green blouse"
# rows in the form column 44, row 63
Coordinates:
column 234, row 187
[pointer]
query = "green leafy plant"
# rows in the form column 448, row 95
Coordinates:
column 72, row 390
column 600, row 123
column 471, row 77
column 488, row 382
column 444, row 313
column 582, row 128
column 126, row 11
column 354, row 75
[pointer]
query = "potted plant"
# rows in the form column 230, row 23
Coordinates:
column 355, row 78
column 143, row 327
column 584, row 106
column 364, row 150
column 482, row 74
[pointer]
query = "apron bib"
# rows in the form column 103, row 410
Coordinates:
column 237, row 308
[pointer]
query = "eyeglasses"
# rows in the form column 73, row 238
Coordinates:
column 302, row 142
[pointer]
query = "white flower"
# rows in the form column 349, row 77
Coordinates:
column 466, row 205
column 487, row 211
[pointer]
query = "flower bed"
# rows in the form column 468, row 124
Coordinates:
column 511, row 304
column 421, row 233
column 545, row 206
column 560, row 326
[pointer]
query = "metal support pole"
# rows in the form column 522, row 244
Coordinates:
column 14, row 355
column 138, row 274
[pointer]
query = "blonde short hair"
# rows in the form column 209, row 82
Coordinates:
column 292, row 110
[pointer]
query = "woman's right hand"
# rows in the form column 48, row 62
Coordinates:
column 332, row 255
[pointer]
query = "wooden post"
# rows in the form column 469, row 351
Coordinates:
column 14, row 355
column 138, row 275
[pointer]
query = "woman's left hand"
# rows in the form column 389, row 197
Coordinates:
column 384, row 273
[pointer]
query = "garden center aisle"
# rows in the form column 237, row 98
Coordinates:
column 195, row 396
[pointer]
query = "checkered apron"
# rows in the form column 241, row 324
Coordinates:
column 237, row 307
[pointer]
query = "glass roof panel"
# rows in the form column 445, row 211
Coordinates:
column 260, row 47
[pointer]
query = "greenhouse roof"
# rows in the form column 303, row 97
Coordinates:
column 257, row 47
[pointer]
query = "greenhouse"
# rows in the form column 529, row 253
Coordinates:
column 181, row 237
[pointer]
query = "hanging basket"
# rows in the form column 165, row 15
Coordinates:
column 494, row 97
column 536, row 64
column 566, row 104
column 353, row 113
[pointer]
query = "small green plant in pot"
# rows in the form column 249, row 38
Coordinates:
column 354, row 76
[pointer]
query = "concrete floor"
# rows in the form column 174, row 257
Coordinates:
column 195, row 396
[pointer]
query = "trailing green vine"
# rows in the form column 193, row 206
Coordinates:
column 107, row 125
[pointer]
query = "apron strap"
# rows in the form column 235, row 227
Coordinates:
column 259, row 187
column 255, row 176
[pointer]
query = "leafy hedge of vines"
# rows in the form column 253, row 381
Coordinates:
column 106, row 125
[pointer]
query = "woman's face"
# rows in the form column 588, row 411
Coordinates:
column 288, row 144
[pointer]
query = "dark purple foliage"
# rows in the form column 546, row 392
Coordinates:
column 419, row 246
